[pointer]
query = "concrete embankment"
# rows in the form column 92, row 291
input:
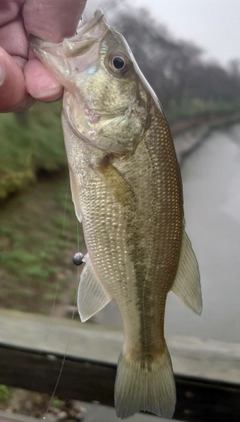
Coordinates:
column 188, row 134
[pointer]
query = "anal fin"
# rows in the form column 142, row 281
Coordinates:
column 92, row 296
column 187, row 282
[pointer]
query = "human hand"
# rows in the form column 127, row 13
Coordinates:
column 23, row 78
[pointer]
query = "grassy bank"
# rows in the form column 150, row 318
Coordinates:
column 197, row 108
column 38, row 237
column 30, row 142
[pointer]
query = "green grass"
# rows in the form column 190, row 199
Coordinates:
column 194, row 107
column 30, row 141
column 5, row 394
column 37, row 242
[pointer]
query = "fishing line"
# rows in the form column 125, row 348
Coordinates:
column 57, row 285
column 56, row 294
column 70, row 332
column 65, row 352
column 52, row 313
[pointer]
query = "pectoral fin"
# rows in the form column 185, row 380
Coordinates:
column 75, row 194
column 187, row 282
column 116, row 184
column 92, row 296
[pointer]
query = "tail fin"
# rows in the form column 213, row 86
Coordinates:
column 149, row 386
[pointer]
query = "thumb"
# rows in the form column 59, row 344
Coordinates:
column 12, row 85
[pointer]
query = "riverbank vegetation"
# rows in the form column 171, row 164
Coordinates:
column 31, row 142
column 39, row 235
column 38, row 226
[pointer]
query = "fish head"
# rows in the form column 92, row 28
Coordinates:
column 106, row 98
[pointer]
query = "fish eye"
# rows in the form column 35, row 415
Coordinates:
column 119, row 63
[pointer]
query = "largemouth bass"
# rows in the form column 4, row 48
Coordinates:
column 127, row 191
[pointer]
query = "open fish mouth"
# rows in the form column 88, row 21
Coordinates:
column 62, row 58
column 87, row 35
column 91, row 25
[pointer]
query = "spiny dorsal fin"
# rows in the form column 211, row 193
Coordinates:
column 92, row 296
column 187, row 282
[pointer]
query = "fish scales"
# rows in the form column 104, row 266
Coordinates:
column 127, row 191
column 109, row 228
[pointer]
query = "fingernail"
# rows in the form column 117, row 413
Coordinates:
column 2, row 74
column 45, row 94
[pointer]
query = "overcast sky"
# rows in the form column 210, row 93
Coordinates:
column 214, row 25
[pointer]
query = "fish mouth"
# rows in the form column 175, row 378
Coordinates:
column 87, row 35
column 90, row 25
column 61, row 59
column 88, row 32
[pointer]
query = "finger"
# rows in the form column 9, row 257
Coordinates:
column 12, row 85
column 39, row 83
column 13, row 36
column 52, row 20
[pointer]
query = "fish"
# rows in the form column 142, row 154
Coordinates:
column 127, row 192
